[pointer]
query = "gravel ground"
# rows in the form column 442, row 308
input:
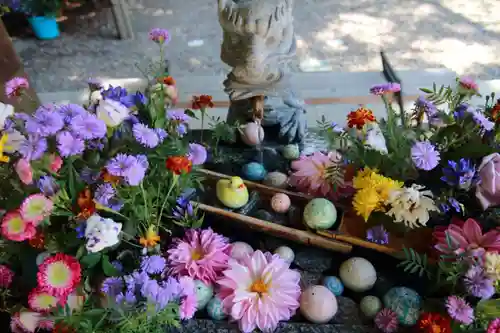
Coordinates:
column 333, row 35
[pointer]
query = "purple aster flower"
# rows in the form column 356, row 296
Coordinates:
column 88, row 126
column 70, row 111
column 150, row 289
column 69, row 145
column 89, row 176
column 115, row 204
column 178, row 116
column 153, row 264
column 160, row 36
column 135, row 174
column 112, row 286
column 136, row 280
column 381, row 89
column 104, row 193
column 197, row 153
column 462, row 174
column 97, row 144
column 478, row 284
column 461, row 111
column 424, row 155
column 181, row 130
column 482, row 121
column 145, row 135
column 117, row 265
column 133, row 99
column 44, row 122
column 118, row 94
column 128, row 298
column 48, row 186
column 451, row 203
column 120, row 164
column 33, row 147
column 460, row 310
column 378, row 235
column 183, row 209
column 426, row 106
column 162, row 134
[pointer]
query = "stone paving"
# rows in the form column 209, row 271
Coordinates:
column 333, row 35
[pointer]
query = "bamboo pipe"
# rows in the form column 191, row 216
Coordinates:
column 300, row 236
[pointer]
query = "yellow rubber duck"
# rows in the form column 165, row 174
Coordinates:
column 232, row 192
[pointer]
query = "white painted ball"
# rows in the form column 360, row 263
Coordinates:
column 318, row 304
column 280, row 203
column 240, row 250
column 285, row 253
column 358, row 274
column 370, row 306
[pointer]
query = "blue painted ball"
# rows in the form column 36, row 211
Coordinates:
column 215, row 310
column 405, row 302
column 254, row 171
column 334, row 284
column 204, row 293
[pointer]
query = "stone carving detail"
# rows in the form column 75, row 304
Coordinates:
column 258, row 42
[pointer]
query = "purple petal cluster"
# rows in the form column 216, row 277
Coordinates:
column 48, row 186
column 378, row 235
column 154, row 264
column 70, row 111
column 89, row 176
column 462, row 174
column 131, row 168
column 88, row 126
column 460, row 310
column 183, row 209
column 44, row 122
column 426, row 106
column 197, row 153
column 104, row 193
column 69, row 144
column 112, row 286
column 478, row 284
column 33, row 147
column 178, row 116
column 146, row 136
column 160, row 36
column 482, row 121
column 424, row 155
column 381, row 89
column 450, row 204
column 121, row 95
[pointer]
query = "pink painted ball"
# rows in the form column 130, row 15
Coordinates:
column 318, row 304
column 240, row 250
column 280, row 203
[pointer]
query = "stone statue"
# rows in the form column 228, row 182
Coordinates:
column 258, row 41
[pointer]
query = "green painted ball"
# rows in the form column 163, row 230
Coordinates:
column 320, row 213
column 291, row 152
column 204, row 293
column 215, row 309
column 405, row 302
column 370, row 306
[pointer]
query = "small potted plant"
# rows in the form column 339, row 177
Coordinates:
column 42, row 17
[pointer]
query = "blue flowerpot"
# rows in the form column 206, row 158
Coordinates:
column 44, row 27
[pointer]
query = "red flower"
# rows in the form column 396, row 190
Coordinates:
column 63, row 328
column 360, row 117
column 169, row 81
column 38, row 242
column 202, row 102
column 59, row 274
column 495, row 111
column 179, row 164
column 433, row 322
column 86, row 204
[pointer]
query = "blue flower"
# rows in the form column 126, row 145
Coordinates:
column 451, row 203
column 104, row 193
column 153, row 264
column 462, row 174
column 183, row 209
column 112, row 286
column 48, row 186
column 80, row 230
column 128, row 298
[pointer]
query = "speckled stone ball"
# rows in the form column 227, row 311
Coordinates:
column 240, row 249
column 405, row 302
column 370, row 306
column 291, row 152
column 358, row 274
column 320, row 213
column 254, row 171
column 280, row 203
column 318, row 304
column 285, row 253
column 276, row 179
column 204, row 293
column 215, row 309
column 334, row 284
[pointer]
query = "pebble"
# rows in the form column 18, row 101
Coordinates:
column 285, row 253
column 318, row 304
column 276, row 179
column 254, row 171
column 215, row 309
column 280, row 203
column 291, row 152
column 358, row 274
column 320, row 213
column 370, row 306
column 204, row 293
column 334, row 284
column 240, row 250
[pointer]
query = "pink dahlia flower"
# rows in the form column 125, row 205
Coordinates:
column 494, row 326
column 259, row 291
column 321, row 175
column 59, row 274
column 189, row 301
column 467, row 237
column 201, row 254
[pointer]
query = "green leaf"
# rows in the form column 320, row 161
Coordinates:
column 108, row 268
column 426, row 90
column 489, row 308
column 71, row 180
column 91, row 259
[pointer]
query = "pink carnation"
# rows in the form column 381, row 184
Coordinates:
column 6, row 276
column 55, row 162
column 24, row 171
column 15, row 86
column 201, row 255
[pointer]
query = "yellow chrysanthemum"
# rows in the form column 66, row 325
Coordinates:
column 363, row 178
column 365, row 201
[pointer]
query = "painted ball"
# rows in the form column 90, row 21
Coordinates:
column 291, row 152
column 252, row 134
column 334, row 284
column 204, row 293
column 320, row 213
column 285, row 253
column 215, row 309
column 280, row 203
column 405, row 302
column 254, row 171
column 240, row 250
column 358, row 274
column 370, row 306
column 318, row 304
column 42, row 256
column 276, row 179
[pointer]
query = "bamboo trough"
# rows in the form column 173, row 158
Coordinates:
column 351, row 230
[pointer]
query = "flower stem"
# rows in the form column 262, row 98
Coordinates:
column 146, row 213
column 174, row 182
column 202, row 124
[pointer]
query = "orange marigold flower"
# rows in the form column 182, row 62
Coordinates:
column 38, row 242
column 360, row 117
column 433, row 322
column 151, row 237
column 169, row 81
column 179, row 164
column 202, row 102
column 86, row 204
column 109, row 178
column 495, row 112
